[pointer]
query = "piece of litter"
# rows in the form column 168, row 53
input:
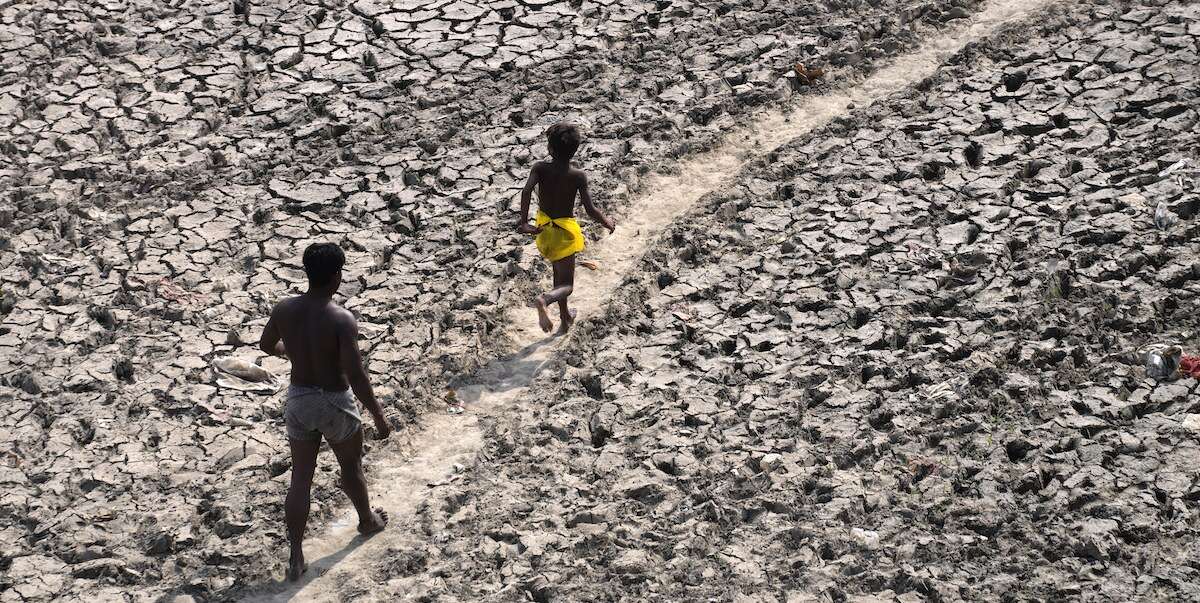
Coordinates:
column 1162, row 363
column 450, row 479
column 242, row 375
column 243, row 369
column 453, row 406
column 808, row 75
column 1164, row 218
column 235, row 383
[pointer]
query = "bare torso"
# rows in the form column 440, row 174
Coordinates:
column 558, row 186
column 309, row 329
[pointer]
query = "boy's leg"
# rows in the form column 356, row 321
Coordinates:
column 543, row 319
column 304, row 464
column 564, row 276
column 354, row 483
column 564, row 279
column 564, row 282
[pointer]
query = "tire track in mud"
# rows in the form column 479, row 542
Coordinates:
column 446, row 443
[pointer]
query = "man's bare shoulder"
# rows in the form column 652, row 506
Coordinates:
column 285, row 305
column 342, row 317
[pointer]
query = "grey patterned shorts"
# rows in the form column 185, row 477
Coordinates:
column 312, row 412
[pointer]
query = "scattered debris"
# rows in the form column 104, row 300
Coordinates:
column 1163, row 362
column 808, row 75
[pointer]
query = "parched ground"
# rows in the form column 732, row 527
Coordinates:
column 164, row 164
column 896, row 362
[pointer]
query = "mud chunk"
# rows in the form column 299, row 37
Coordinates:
column 1013, row 80
column 632, row 561
column 973, row 153
column 123, row 370
column 98, row 568
column 25, row 381
column 599, row 428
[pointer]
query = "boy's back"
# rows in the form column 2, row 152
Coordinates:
column 558, row 186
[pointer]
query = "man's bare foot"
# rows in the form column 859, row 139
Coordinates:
column 543, row 318
column 375, row 524
column 566, row 323
column 296, row 567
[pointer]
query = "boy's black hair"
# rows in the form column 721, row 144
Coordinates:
column 321, row 262
column 564, row 139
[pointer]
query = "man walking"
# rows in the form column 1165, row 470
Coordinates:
column 321, row 340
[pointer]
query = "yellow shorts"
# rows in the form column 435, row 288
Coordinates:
column 561, row 237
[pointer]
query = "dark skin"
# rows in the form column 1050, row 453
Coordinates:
column 321, row 340
column 558, row 183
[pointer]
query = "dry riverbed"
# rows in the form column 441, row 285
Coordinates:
column 165, row 163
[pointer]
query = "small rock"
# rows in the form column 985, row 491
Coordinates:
column 631, row 561
column 770, row 462
column 867, row 538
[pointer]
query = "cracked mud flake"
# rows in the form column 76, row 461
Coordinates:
column 192, row 145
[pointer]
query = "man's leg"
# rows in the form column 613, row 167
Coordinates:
column 295, row 508
column 349, row 456
column 564, row 280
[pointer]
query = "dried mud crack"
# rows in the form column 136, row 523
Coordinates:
column 894, row 359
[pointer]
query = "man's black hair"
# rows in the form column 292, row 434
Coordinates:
column 564, row 139
column 322, row 261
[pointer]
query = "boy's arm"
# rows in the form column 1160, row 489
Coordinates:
column 352, row 367
column 585, row 196
column 526, row 194
column 271, row 342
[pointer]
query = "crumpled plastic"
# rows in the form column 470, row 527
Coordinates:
column 1190, row 365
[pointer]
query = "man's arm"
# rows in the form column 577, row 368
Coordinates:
column 271, row 342
column 351, row 361
column 585, row 197
column 526, row 194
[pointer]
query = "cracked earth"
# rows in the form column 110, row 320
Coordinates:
column 895, row 359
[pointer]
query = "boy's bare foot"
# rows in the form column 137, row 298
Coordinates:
column 543, row 318
column 375, row 524
column 566, row 323
column 296, row 567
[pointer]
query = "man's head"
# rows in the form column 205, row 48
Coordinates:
column 563, row 138
column 323, row 264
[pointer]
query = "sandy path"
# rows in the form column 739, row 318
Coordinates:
column 400, row 482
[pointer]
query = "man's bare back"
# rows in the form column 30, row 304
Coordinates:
column 320, row 338
column 312, row 330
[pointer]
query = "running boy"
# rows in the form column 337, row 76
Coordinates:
column 559, row 237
